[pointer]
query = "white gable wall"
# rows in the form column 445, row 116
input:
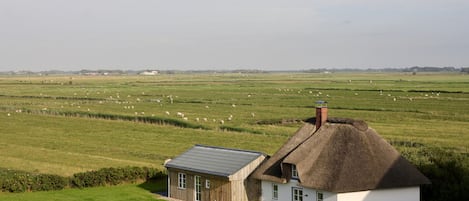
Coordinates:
column 285, row 192
column 401, row 194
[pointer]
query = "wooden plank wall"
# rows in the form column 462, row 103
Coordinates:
column 220, row 187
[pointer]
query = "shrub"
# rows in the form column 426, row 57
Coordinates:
column 114, row 176
column 449, row 173
column 18, row 181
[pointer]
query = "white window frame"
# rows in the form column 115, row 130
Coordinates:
column 294, row 171
column 181, row 180
column 319, row 196
column 275, row 191
column 207, row 183
column 197, row 188
column 297, row 194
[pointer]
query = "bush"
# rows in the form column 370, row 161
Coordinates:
column 18, row 181
column 114, row 176
column 449, row 173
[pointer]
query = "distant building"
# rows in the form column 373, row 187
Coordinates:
column 153, row 72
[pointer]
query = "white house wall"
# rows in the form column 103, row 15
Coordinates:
column 285, row 192
column 401, row 194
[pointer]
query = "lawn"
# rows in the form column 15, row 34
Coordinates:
column 114, row 193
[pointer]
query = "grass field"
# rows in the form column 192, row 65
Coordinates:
column 68, row 124
column 114, row 193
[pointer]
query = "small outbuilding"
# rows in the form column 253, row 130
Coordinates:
column 214, row 173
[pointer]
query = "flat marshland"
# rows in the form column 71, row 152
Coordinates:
column 68, row 124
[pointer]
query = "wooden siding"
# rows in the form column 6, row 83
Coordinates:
column 244, row 172
column 236, row 187
column 220, row 187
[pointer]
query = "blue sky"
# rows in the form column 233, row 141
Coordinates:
column 247, row 34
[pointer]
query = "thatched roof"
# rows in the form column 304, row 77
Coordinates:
column 341, row 156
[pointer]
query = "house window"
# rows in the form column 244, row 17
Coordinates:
column 198, row 188
column 320, row 196
column 294, row 172
column 181, row 180
column 274, row 191
column 207, row 184
column 297, row 194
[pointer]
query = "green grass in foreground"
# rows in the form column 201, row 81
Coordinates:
column 114, row 193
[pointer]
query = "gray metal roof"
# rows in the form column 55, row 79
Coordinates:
column 213, row 160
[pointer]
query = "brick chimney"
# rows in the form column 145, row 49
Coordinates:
column 321, row 113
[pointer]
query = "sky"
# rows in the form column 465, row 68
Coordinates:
column 227, row 35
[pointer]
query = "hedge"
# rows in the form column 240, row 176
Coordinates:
column 19, row 181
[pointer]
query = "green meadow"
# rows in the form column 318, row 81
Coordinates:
column 114, row 193
column 68, row 124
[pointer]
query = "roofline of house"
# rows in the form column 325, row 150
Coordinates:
column 231, row 149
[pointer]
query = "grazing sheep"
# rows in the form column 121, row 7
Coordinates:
column 185, row 118
column 197, row 119
column 252, row 114
column 8, row 114
column 222, row 122
column 205, row 119
column 167, row 113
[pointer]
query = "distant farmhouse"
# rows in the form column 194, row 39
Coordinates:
column 150, row 72
column 327, row 159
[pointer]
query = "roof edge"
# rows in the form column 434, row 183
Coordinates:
column 230, row 149
column 198, row 170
